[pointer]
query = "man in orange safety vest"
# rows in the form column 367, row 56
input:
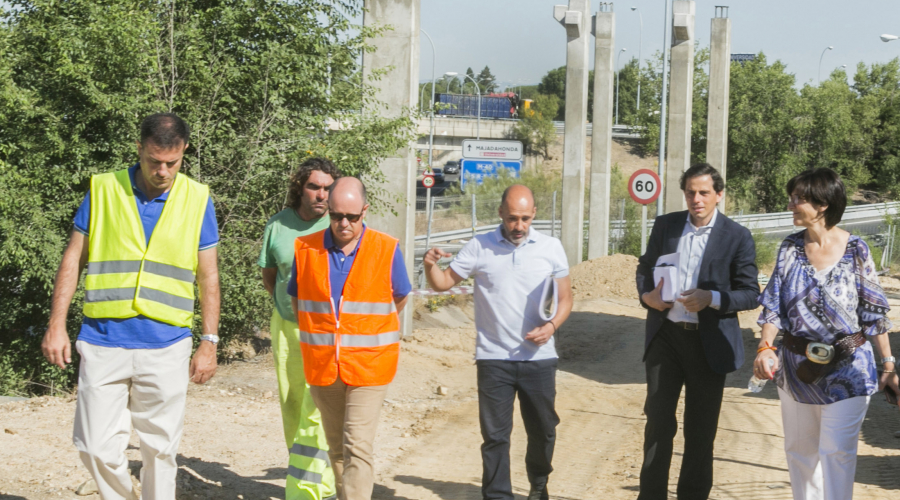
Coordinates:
column 348, row 284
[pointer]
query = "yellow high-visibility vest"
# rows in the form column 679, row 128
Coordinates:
column 126, row 276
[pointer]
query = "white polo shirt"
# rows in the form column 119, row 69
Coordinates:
column 508, row 285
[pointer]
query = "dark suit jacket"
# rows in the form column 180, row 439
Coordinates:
column 728, row 266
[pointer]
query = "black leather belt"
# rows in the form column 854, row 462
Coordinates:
column 684, row 325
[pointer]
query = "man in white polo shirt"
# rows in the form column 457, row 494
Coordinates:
column 515, row 352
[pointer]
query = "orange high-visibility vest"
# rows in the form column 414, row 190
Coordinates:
column 363, row 347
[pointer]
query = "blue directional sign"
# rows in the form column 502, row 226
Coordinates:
column 477, row 170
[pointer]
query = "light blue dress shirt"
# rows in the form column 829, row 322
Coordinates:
column 691, row 247
column 509, row 280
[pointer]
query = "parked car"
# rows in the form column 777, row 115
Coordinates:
column 451, row 167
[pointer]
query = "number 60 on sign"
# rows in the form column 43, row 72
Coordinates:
column 643, row 186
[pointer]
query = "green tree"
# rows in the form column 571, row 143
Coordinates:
column 765, row 133
column 535, row 127
column 838, row 135
column 468, row 87
column 651, row 97
column 554, row 83
column 878, row 111
column 627, row 90
column 486, row 81
column 260, row 81
column 448, row 84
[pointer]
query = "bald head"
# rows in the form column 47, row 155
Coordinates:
column 349, row 189
column 347, row 207
column 518, row 196
column 517, row 212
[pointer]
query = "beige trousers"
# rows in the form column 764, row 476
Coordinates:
column 350, row 418
column 120, row 388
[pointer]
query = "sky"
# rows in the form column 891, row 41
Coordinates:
column 520, row 41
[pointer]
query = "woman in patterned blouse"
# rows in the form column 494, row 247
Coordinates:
column 824, row 289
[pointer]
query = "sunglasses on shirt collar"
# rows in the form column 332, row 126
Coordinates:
column 336, row 217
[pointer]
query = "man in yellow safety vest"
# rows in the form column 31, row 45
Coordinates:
column 309, row 475
column 145, row 234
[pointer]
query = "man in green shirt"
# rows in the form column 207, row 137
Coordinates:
column 310, row 476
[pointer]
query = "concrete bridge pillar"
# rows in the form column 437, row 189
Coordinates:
column 681, row 96
column 719, row 92
column 604, row 28
column 575, row 19
column 397, row 51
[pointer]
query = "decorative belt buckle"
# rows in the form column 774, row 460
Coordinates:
column 820, row 353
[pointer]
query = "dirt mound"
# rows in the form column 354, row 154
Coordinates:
column 611, row 276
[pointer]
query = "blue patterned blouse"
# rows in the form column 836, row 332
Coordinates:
column 849, row 300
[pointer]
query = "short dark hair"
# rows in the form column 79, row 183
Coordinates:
column 166, row 130
column 299, row 178
column 701, row 169
column 821, row 187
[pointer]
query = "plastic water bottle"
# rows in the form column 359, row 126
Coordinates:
column 756, row 384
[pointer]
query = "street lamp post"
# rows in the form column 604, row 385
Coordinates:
column 640, row 51
column 617, row 84
column 478, row 90
column 667, row 41
column 431, row 125
column 887, row 38
column 820, row 61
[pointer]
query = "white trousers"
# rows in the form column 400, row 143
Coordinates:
column 820, row 442
column 120, row 388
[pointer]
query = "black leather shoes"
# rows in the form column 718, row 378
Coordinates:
column 538, row 494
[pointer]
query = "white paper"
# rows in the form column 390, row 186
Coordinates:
column 667, row 270
column 549, row 299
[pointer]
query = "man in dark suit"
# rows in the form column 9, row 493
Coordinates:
column 695, row 340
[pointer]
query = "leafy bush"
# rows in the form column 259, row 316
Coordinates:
column 260, row 82
column 542, row 184
column 766, row 249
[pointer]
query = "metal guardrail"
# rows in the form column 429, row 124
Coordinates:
column 773, row 222
column 620, row 131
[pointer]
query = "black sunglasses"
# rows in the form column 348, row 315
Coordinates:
column 339, row 217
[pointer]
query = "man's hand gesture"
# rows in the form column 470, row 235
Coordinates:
column 433, row 256
column 654, row 298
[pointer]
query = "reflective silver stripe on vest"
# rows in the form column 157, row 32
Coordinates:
column 168, row 299
column 304, row 475
column 309, row 451
column 313, row 306
column 114, row 266
column 381, row 339
column 383, row 308
column 169, row 271
column 317, row 338
column 108, row 294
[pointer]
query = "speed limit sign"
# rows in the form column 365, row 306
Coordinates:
column 644, row 186
column 428, row 180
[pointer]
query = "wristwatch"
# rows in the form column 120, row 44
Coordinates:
column 889, row 359
column 210, row 338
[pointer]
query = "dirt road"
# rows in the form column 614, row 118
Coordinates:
column 428, row 445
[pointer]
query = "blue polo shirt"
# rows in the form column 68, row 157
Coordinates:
column 339, row 266
column 140, row 332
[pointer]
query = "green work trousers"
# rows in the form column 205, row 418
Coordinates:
column 310, row 476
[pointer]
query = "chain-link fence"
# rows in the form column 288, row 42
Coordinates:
column 459, row 212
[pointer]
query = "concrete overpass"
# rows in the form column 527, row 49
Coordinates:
column 449, row 132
